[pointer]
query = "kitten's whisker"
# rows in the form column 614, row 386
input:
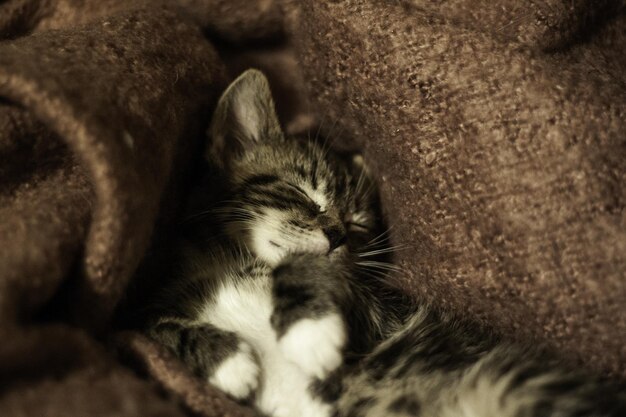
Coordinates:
column 237, row 213
column 332, row 129
column 221, row 208
column 310, row 148
column 380, row 240
column 389, row 249
column 384, row 236
column 376, row 246
column 384, row 266
column 383, row 269
column 360, row 181
column 326, row 145
column 367, row 193
column 319, row 128
column 377, row 275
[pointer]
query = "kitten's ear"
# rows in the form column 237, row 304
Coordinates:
column 244, row 116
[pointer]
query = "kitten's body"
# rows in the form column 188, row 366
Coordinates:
column 448, row 367
column 293, row 288
column 231, row 294
column 234, row 312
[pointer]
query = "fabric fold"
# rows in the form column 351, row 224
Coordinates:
column 122, row 95
column 101, row 112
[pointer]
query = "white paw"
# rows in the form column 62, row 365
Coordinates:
column 237, row 375
column 286, row 393
column 290, row 408
column 315, row 345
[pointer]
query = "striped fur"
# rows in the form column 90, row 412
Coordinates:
column 262, row 311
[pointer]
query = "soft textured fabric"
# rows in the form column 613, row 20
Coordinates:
column 495, row 128
column 545, row 24
column 103, row 105
column 501, row 156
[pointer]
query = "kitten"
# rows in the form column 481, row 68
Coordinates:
column 261, row 311
column 289, row 307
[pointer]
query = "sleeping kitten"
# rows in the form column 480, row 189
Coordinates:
column 279, row 296
column 239, row 312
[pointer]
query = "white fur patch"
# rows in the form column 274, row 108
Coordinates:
column 283, row 400
column 244, row 306
column 285, row 390
column 238, row 375
column 362, row 218
column 267, row 237
column 316, row 195
column 315, row 344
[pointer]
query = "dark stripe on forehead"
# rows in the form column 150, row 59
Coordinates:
column 291, row 198
column 279, row 190
column 284, row 199
column 275, row 204
column 260, row 179
column 283, row 205
column 294, row 188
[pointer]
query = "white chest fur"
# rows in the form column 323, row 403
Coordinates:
column 244, row 306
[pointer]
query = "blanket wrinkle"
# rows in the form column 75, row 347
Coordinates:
column 159, row 363
column 114, row 153
column 235, row 21
column 97, row 392
column 239, row 22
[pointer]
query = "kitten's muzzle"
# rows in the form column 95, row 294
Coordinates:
column 336, row 236
column 334, row 230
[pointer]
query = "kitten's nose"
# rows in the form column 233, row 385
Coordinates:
column 336, row 235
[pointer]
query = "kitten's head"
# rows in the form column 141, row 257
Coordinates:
column 288, row 195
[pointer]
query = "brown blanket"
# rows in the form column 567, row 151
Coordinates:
column 103, row 104
column 497, row 131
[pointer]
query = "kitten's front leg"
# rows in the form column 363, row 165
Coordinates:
column 309, row 295
column 219, row 356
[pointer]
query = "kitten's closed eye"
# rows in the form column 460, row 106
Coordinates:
column 299, row 189
column 358, row 222
column 357, row 227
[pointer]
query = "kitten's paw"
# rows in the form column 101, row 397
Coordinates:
column 299, row 409
column 237, row 375
column 315, row 345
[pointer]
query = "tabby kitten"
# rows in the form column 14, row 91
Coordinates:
column 289, row 307
column 261, row 312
